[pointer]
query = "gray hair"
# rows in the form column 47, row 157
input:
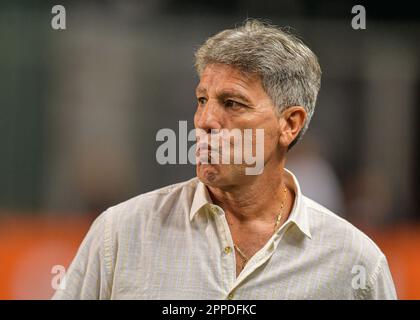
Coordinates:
column 289, row 70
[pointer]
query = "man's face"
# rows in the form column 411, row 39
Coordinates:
column 229, row 99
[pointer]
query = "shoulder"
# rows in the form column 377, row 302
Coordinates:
column 351, row 256
column 342, row 237
column 151, row 204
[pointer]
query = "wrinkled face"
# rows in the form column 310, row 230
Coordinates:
column 229, row 99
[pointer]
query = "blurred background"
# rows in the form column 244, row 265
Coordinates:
column 80, row 109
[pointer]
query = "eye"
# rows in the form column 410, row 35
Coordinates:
column 233, row 104
column 201, row 100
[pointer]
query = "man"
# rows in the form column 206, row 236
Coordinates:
column 227, row 234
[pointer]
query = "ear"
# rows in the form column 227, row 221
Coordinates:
column 291, row 121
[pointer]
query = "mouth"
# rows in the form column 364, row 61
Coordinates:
column 203, row 148
column 205, row 153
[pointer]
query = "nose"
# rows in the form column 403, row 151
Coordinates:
column 208, row 117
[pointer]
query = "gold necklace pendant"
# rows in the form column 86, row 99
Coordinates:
column 245, row 259
column 243, row 256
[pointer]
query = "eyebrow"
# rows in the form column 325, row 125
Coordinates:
column 226, row 94
column 200, row 90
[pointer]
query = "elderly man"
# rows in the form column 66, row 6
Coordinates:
column 227, row 234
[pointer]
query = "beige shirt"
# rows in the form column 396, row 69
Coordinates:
column 171, row 244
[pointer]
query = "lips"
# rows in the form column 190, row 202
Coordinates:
column 204, row 152
column 203, row 148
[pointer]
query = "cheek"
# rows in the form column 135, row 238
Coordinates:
column 270, row 138
column 269, row 142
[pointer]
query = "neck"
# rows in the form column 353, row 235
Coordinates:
column 259, row 200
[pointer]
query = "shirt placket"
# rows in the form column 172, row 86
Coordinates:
column 228, row 268
column 229, row 260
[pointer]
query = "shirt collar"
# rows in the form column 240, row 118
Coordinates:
column 298, row 215
column 201, row 199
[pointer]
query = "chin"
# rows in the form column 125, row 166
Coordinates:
column 208, row 174
column 217, row 176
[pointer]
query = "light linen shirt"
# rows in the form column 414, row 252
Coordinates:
column 174, row 243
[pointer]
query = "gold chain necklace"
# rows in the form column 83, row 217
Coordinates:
column 245, row 259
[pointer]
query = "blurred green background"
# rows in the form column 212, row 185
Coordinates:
column 80, row 109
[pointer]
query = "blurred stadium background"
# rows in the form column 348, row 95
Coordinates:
column 80, row 109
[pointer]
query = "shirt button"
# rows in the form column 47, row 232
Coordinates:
column 228, row 250
column 230, row 296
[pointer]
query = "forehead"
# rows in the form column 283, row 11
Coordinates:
column 222, row 76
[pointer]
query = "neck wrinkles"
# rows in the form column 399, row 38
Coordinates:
column 257, row 201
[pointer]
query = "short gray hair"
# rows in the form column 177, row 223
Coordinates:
column 289, row 70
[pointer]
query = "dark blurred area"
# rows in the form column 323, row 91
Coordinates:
column 80, row 109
